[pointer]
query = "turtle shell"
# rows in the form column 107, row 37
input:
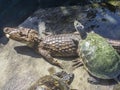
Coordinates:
column 50, row 83
column 99, row 57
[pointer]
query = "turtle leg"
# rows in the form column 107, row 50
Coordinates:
column 45, row 54
column 77, row 63
column 115, row 44
column 66, row 77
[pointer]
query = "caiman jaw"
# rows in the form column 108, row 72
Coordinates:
column 8, row 35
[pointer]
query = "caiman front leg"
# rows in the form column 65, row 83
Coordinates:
column 45, row 54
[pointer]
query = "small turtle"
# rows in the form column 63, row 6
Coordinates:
column 99, row 58
column 57, row 81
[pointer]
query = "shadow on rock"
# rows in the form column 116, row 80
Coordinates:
column 101, row 81
column 107, row 82
column 24, row 50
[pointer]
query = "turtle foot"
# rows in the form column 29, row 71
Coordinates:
column 76, row 64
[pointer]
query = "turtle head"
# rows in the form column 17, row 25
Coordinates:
column 23, row 35
column 80, row 28
column 66, row 77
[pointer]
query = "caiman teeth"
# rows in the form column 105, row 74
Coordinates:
column 7, row 35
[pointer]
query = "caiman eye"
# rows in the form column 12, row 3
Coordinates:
column 22, row 34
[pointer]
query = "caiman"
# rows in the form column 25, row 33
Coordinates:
column 61, row 45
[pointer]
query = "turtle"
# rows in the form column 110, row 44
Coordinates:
column 58, row 81
column 98, row 57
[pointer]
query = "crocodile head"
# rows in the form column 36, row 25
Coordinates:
column 23, row 35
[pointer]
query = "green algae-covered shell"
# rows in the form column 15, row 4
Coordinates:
column 99, row 58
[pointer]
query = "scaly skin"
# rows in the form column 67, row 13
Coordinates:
column 62, row 45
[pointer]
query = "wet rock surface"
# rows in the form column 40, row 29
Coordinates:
column 21, row 66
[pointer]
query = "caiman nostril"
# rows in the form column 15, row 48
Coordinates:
column 6, row 30
column 7, row 35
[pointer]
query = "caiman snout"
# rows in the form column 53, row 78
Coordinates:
column 6, row 31
column 9, row 31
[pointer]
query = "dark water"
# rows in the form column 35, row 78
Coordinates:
column 14, row 12
column 104, row 21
